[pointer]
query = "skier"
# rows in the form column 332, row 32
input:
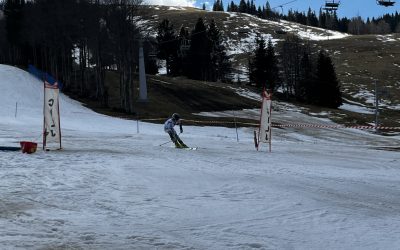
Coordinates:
column 169, row 128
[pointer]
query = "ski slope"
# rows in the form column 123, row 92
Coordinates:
column 113, row 188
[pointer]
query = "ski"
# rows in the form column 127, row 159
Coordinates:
column 189, row 148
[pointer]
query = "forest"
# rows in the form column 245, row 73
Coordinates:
column 388, row 23
column 80, row 42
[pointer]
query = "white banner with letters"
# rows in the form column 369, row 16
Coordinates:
column 265, row 121
column 52, row 133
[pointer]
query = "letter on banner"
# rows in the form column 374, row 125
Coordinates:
column 265, row 123
column 51, row 114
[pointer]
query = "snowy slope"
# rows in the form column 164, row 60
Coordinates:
column 113, row 188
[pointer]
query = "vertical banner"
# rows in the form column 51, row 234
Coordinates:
column 264, row 134
column 51, row 126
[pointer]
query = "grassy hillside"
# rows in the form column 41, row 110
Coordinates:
column 167, row 95
column 359, row 61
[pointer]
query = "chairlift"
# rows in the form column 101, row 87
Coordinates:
column 184, row 47
column 385, row 3
column 331, row 5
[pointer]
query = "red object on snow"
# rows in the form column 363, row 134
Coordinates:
column 28, row 147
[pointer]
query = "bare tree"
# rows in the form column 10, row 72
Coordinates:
column 122, row 15
column 291, row 61
column 356, row 26
column 382, row 27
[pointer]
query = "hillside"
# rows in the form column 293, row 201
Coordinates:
column 359, row 60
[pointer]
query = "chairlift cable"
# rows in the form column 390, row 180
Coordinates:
column 281, row 5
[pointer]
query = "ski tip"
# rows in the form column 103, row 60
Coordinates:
column 190, row 148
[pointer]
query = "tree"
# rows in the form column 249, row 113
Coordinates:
column 272, row 70
column 13, row 19
column 242, row 7
column 328, row 92
column 167, row 43
column 382, row 27
column 126, row 36
column 3, row 41
column 397, row 30
column 258, row 64
column 307, row 82
column 220, row 65
column 199, row 53
column 291, row 54
column 233, row 7
column 356, row 26
column 218, row 6
column 312, row 19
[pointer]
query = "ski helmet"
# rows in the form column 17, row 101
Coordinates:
column 176, row 116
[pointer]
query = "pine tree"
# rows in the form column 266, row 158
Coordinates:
column 13, row 22
column 214, row 8
column 257, row 65
column 268, row 11
column 220, row 66
column 167, row 43
column 253, row 9
column 218, row 6
column 328, row 88
column 291, row 54
column 13, row 15
column 199, row 53
column 304, row 90
column 242, row 7
column 272, row 71
column 233, row 7
column 259, row 12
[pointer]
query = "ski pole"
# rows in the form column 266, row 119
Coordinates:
column 164, row 143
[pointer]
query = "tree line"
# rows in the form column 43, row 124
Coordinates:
column 298, row 73
column 76, row 42
column 388, row 23
column 80, row 41
column 201, row 55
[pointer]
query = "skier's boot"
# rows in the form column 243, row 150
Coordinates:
column 177, row 144
column 183, row 145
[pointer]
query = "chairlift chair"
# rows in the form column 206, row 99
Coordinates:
column 331, row 5
column 385, row 3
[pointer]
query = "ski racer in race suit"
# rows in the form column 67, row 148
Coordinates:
column 169, row 128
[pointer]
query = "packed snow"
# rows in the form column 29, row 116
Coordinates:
column 112, row 187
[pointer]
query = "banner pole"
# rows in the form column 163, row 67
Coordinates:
column 259, row 126
column 44, row 116
column 58, row 110
column 234, row 119
column 270, row 120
